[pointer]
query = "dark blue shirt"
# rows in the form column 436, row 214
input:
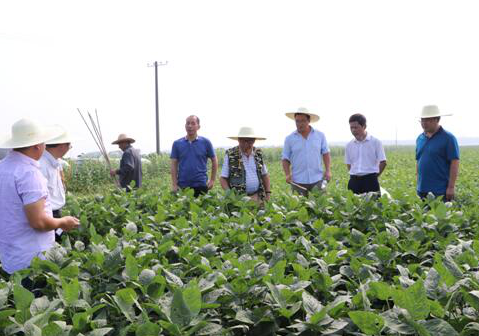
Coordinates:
column 434, row 156
column 192, row 161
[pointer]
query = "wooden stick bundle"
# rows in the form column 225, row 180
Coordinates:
column 97, row 136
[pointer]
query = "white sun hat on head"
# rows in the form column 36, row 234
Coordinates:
column 432, row 111
column 303, row 110
column 246, row 132
column 63, row 138
column 26, row 132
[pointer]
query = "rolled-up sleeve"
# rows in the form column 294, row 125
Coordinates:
column 324, row 145
column 225, row 170
column 286, row 150
column 32, row 187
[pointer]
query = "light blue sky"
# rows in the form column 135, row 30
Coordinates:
column 238, row 63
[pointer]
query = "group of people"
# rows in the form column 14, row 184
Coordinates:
column 32, row 190
column 306, row 159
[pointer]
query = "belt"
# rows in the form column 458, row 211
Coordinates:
column 359, row 177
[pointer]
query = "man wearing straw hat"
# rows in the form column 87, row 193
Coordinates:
column 52, row 168
column 437, row 156
column 243, row 168
column 304, row 152
column 189, row 158
column 130, row 164
column 26, row 221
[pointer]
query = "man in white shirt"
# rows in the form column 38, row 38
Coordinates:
column 364, row 157
column 52, row 168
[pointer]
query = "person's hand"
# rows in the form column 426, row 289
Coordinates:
column 450, row 192
column 327, row 175
column 68, row 223
column 174, row 187
column 112, row 172
column 288, row 178
column 268, row 196
column 210, row 184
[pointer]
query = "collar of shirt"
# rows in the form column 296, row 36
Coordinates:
column 440, row 130
column 310, row 132
column 367, row 138
column 22, row 158
column 51, row 159
column 186, row 138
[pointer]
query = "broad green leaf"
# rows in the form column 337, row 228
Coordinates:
column 414, row 300
column 310, row 304
column 52, row 329
column 381, row 290
column 438, row 327
column 369, row 323
column 23, row 297
column 71, row 291
column 131, row 267
column 99, row 332
column 148, row 329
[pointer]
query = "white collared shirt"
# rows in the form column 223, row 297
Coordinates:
column 51, row 168
column 364, row 156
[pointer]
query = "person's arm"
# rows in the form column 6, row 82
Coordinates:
column 174, row 174
column 214, row 171
column 382, row 166
column 127, row 165
column 287, row 170
column 224, row 183
column 39, row 220
column 454, row 171
column 327, row 166
column 267, row 186
column 348, row 166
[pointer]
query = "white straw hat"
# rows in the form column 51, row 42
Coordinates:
column 246, row 132
column 303, row 110
column 63, row 138
column 432, row 111
column 123, row 138
column 26, row 132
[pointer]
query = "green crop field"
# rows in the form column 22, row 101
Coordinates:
column 155, row 263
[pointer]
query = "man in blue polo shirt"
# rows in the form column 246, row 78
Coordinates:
column 437, row 156
column 189, row 158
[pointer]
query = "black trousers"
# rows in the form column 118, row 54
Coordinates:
column 57, row 214
column 360, row 184
column 198, row 190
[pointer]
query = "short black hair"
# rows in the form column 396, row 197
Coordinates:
column 359, row 118
column 197, row 118
column 52, row 146
column 304, row 114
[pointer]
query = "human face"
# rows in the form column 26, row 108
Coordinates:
column 302, row 123
column 192, row 126
column 358, row 131
column 65, row 147
column 123, row 145
column 246, row 144
column 430, row 125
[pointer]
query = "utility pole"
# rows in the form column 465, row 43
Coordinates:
column 155, row 65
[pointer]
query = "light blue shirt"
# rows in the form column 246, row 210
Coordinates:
column 252, row 181
column 306, row 155
column 21, row 183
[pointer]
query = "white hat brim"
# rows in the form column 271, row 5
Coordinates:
column 47, row 134
column 246, row 137
column 63, row 138
column 313, row 117
column 436, row 115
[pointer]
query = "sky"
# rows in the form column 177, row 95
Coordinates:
column 238, row 63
